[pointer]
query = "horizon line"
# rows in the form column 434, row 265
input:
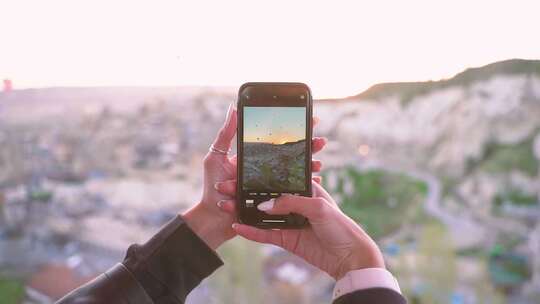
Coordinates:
column 267, row 142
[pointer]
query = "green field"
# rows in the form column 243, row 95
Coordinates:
column 379, row 201
column 502, row 158
column 11, row 291
column 516, row 197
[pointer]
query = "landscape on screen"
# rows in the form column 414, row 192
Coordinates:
column 274, row 148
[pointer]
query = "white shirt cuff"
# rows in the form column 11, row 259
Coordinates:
column 365, row 278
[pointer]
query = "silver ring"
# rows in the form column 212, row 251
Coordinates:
column 218, row 151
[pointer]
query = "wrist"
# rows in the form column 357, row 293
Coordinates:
column 201, row 222
column 368, row 256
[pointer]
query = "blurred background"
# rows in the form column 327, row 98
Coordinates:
column 431, row 108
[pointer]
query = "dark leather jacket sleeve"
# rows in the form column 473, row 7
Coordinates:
column 163, row 270
column 167, row 267
column 372, row 295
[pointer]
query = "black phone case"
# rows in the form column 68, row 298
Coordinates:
column 299, row 221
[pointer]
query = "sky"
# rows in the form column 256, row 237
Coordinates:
column 276, row 125
column 338, row 48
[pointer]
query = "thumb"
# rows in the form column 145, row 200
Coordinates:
column 313, row 208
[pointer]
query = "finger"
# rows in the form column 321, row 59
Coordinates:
column 319, row 191
column 317, row 144
column 234, row 160
column 227, row 131
column 313, row 208
column 316, row 165
column 259, row 235
column 228, row 206
column 317, row 179
column 226, row 187
column 315, row 120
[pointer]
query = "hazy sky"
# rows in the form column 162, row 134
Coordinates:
column 275, row 125
column 337, row 47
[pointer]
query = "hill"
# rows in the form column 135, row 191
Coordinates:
column 408, row 90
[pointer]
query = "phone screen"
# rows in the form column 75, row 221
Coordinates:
column 274, row 149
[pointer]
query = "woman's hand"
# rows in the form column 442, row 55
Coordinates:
column 333, row 242
column 206, row 218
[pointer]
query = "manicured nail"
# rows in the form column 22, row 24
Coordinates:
column 220, row 203
column 234, row 225
column 230, row 112
column 268, row 205
column 216, row 185
column 233, row 105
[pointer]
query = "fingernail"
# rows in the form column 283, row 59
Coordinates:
column 216, row 185
column 230, row 112
column 233, row 105
column 234, row 225
column 220, row 203
column 268, row 205
column 228, row 116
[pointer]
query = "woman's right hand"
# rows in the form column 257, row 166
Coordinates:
column 332, row 242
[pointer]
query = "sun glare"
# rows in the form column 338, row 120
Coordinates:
column 283, row 141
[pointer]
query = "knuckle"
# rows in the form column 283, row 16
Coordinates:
column 288, row 201
column 279, row 204
column 207, row 160
column 230, row 185
column 222, row 133
column 319, row 203
column 320, row 208
column 282, row 204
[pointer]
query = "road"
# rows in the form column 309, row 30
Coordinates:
column 464, row 230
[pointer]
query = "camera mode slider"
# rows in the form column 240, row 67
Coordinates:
column 274, row 194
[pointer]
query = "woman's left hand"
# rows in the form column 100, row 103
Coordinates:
column 207, row 219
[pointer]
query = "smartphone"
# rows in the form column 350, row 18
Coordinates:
column 274, row 149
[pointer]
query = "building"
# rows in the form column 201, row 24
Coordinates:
column 8, row 85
